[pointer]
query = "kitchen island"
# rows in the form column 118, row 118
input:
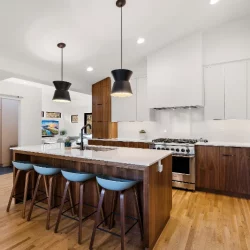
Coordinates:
column 151, row 167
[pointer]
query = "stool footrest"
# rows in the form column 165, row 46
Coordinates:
column 108, row 231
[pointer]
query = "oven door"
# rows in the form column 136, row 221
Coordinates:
column 183, row 169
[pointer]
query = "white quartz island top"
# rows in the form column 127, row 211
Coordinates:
column 134, row 156
column 224, row 144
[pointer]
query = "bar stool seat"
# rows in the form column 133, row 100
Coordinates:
column 51, row 172
column 28, row 168
column 73, row 175
column 115, row 184
column 46, row 170
column 120, row 186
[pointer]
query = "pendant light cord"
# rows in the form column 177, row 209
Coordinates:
column 121, row 37
column 62, row 64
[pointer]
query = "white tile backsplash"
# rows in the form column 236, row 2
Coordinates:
column 187, row 124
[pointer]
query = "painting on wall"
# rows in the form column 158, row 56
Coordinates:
column 74, row 119
column 88, row 120
column 50, row 128
column 53, row 115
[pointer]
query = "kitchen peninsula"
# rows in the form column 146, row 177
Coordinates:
column 152, row 168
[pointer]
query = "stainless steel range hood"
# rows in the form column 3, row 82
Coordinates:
column 179, row 107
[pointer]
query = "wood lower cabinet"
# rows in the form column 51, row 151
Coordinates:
column 207, row 167
column 223, row 169
column 119, row 143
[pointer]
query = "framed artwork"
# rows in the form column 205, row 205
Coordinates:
column 42, row 113
column 53, row 115
column 74, row 119
column 88, row 120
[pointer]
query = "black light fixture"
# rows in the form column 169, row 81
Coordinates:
column 121, row 86
column 62, row 88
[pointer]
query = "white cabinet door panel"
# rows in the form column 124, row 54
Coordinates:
column 248, row 89
column 124, row 109
column 214, row 92
column 235, row 90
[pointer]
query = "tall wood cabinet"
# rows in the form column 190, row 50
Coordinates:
column 102, row 127
column 225, row 169
column 8, row 129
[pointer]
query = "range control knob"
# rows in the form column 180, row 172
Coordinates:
column 188, row 150
column 167, row 148
column 172, row 149
column 183, row 150
column 177, row 150
column 158, row 148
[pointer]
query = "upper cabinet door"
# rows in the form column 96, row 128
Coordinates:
column 124, row 109
column 144, row 113
column 248, row 89
column 175, row 74
column 235, row 90
column 214, row 92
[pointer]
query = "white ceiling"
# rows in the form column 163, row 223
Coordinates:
column 31, row 29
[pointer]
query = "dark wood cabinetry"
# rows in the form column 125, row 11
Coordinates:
column 223, row 169
column 102, row 127
column 119, row 143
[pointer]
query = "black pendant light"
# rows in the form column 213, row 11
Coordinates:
column 62, row 88
column 121, row 86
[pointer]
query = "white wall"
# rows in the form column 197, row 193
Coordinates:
column 80, row 104
column 226, row 43
column 29, row 126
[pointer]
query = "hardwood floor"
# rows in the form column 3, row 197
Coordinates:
column 198, row 221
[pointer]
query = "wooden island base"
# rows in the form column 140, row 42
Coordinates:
column 155, row 188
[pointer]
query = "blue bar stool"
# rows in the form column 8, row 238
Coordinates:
column 51, row 172
column 73, row 175
column 117, row 186
column 28, row 168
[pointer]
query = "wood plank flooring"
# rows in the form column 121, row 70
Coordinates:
column 198, row 221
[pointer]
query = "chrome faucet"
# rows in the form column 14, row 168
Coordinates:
column 82, row 146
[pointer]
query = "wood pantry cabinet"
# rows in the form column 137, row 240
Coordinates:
column 223, row 169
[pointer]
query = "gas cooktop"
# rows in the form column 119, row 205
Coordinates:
column 177, row 141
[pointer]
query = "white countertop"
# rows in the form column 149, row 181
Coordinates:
column 134, row 156
column 225, row 144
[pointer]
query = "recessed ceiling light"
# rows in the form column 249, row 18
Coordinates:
column 214, row 1
column 140, row 40
column 89, row 69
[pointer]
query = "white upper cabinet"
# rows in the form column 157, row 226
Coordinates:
column 236, row 90
column 175, row 74
column 248, row 89
column 144, row 113
column 134, row 108
column 124, row 109
column 214, row 92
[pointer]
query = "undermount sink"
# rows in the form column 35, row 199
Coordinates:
column 95, row 148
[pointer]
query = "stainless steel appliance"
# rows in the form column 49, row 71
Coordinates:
column 183, row 167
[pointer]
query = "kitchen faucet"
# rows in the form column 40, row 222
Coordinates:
column 88, row 125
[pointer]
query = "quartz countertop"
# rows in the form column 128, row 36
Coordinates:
column 123, row 139
column 134, row 156
column 224, row 144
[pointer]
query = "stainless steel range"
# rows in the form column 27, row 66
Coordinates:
column 183, row 167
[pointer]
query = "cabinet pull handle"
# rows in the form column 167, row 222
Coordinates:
column 228, row 155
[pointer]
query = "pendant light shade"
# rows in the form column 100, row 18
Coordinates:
column 121, row 86
column 62, row 88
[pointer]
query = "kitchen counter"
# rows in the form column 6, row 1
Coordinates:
column 124, row 139
column 140, row 157
column 224, row 144
column 142, row 165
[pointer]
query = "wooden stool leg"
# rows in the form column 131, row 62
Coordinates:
column 113, row 207
column 49, row 201
column 13, row 190
column 122, row 218
column 80, row 213
column 61, row 207
column 138, row 209
column 27, row 175
column 46, row 186
column 97, row 218
column 33, row 183
column 98, row 195
column 71, row 201
column 34, row 197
